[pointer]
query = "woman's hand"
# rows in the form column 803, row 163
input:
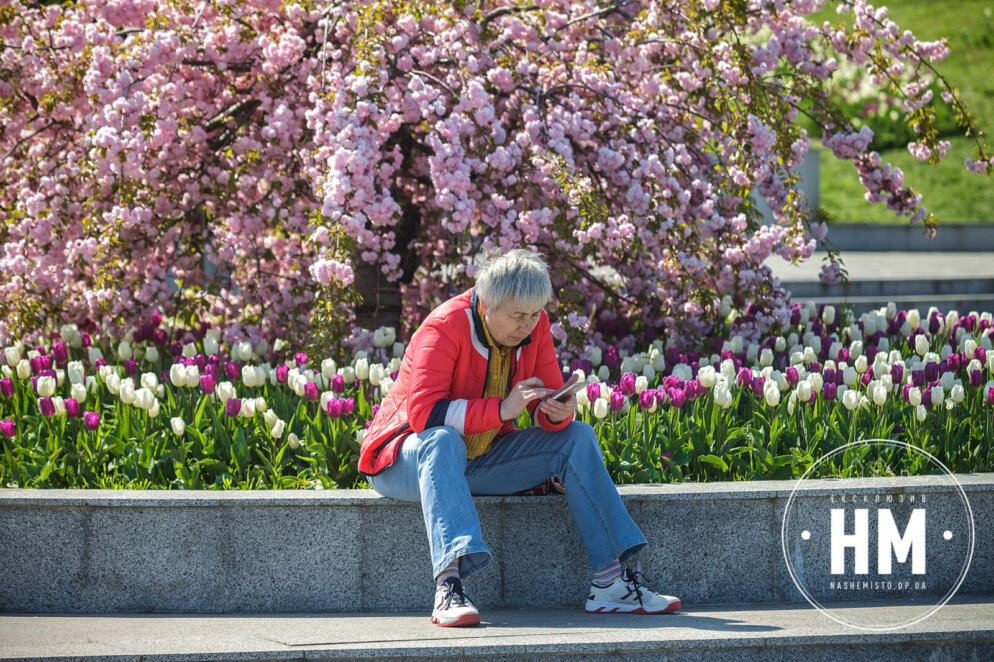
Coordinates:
column 521, row 394
column 556, row 411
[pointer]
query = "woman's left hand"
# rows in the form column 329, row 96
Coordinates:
column 559, row 411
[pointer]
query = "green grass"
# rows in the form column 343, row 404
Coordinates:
column 950, row 192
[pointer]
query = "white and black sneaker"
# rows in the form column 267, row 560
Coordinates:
column 452, row 607
column 627, row 595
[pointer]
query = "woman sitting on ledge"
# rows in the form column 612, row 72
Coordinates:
column 444, row 433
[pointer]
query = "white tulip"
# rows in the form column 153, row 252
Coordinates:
column 581, row 398
column 850, row 399
column 362, row 369
column 791, row 402
column 772, row 394
column 780, row 344
column 13, row 354
column 328, row 368
column 951, row 318
column 293, row 441
column 649, row 372
column 189, row 350
column 224, row 391
column 127, row 391
column 920, row 413
column 78, row 392
column 376, row 374
column 245, row 351
column 816, row 381
column 957, row 394
column 261, row 405
column 737, row 342
column 152, row 354
column 766, row 357
column 596, row 356
column 860, row 364
column 600, row 408
column 177, row 374
column 604, row 373
column 706, row 376
column 149, row 380
column 379, row 338
column 113, row 382
column 915, row 396
column 880, row 395
column 6, row 371
column 124, row 350
column 803, row 391
column 24, row 369
column 46, row 386
column 153, row 411
column 143, row 398
column 828, row 315
column 191, row 376
column 211, row 344
column 722, row 395
column 178, row 425
column 938, row 395
column 946, row 380
column 76, row 372
column 276, row 429
column 59, row 404
column 248, row 408
column 796, row 358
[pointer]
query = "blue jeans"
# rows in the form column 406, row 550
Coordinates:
column 432, row 468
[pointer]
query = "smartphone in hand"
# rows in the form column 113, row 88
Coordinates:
column 564, row 394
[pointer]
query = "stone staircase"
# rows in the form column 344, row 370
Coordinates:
column 955, row 270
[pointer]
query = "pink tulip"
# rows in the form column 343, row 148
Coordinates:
column 72, row 408
column 7, row 428
column 91, row 420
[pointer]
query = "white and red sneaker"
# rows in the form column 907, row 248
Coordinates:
column 452, row 607
column 627, row 595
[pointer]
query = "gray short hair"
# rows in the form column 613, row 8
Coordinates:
column 519, row 275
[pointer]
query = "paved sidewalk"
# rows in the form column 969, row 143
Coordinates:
column 965, row 621
column 891, row 266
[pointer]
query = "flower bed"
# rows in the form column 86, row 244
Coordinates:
column 195, row 414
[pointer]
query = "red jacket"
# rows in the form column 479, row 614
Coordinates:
column 442, row 379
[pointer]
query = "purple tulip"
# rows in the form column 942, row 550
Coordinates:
column 647, row 398
column 91, row 420
column 207, row 384
column 200, row 361
column 865, row 378
column 130, row 367
column 617, row 402
column 348, row 405
column 871, row 352
column 918, row 378
column 665, row 454
column 627, row 384
column 283, row 373
column 744, row 377
column 906, row 391
column 86, row 339
column 931, row 372
column 790, row 374
column 393, row 375
column 953, row 363
column 757, row 386
column 60, row 354
column 795, row 316
column 981, row 355
column 593, row 392
column 311, row 391
column 7, row 428
column 175, row 349
column 677, row 397
column 334, row 408
column 829, row 375
column 300, row 357
column 611, row 358
column 73, row 409
column 34, row 383
column 337, row 382
column 829, row 391
column 976, row 378
column 933, row 323
column 47, row 406
column 99, row 363
column 375, row 409
column 231, row 370
column 7, row 387
column 927, row 397
column 232, row 407
column 36, row 365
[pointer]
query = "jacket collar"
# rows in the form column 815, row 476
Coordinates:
column 474, row 306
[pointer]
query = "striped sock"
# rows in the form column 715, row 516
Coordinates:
column 606, row 576
column 451, row 570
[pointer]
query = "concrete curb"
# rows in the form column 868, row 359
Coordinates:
column 353, row 551
column 873, row 237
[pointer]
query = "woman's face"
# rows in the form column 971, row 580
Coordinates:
column 512, row 322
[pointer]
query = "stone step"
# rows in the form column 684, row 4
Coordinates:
column 945, row 302
column 97, row 551
column 876, row 237
column 923, row 288
column 962, row 630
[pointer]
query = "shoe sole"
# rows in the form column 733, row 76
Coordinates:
column 673, row 606
column 462, row 621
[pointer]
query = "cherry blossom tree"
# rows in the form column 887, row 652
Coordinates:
column 345, row 164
